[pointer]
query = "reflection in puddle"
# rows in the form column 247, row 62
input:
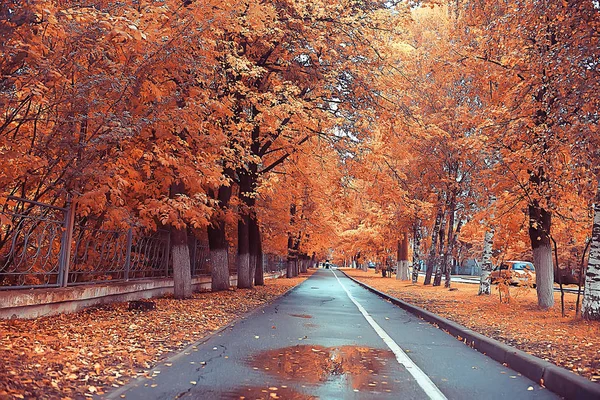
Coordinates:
column 359, row 366
column 301, row 315
column 270, row 393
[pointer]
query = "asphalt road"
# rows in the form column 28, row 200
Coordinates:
column 331, row 339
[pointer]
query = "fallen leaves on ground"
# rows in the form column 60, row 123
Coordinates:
column 86, row 353
column 569, row 341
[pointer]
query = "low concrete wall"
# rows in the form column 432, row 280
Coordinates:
column 33, row 303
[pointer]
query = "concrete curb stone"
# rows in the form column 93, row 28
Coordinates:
column 556, row 379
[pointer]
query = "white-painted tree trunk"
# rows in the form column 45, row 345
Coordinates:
column 252, row 260
column 544, row 275
column 219, row 262
column 402, row 273
column 590, row 308
column 243, row 272
column 182, row 275
column 486, row 263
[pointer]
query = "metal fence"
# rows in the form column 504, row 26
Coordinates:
column 274, row 263
column 31, row 237
column 44, row 246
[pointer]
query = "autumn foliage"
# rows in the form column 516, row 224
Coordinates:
column 323, row 127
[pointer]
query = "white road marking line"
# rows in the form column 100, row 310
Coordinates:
column 422, row 379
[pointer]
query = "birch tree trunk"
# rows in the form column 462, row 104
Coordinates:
column 431, row 259
column 590, row 308
column 416, row 251
column 437, row 280
column 486, row 263
column 540, row 221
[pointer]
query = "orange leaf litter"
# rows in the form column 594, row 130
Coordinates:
column 74, row 355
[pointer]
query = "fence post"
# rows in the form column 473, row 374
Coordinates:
column 128, row 254
column 67, row 238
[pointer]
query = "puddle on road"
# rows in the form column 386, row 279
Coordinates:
column 301, row 315
column 270, row 393
column 363, row 368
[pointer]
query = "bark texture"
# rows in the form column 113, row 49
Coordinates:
column 437, row 279
column 180, row 253
column 217, row 242
column 402, row 272
column 432, row 259
column 590, row 309
column 486, row 264
column 416, row 251
column 243, row 273
column 219, row 260
column 259, row 274
column 540, row 221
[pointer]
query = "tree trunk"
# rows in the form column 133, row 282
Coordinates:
column 219, row 260
column 256, row 252
column 252, row 248
column 180, row 254
column 486, row 263
column 290, row 257
column 437, row 280
column 590, row 308
column 431, row 259
column 416, row 251
column 217, row 242
column 449, row 254
column 402, row 272
column 243, row 272
column 540, row 221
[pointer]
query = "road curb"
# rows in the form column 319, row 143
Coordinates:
column 559, row 380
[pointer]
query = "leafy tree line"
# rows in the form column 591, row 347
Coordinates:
column 310, row 128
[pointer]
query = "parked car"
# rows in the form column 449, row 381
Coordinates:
column 515, row 273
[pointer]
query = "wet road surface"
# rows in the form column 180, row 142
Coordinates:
column 331, row 339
